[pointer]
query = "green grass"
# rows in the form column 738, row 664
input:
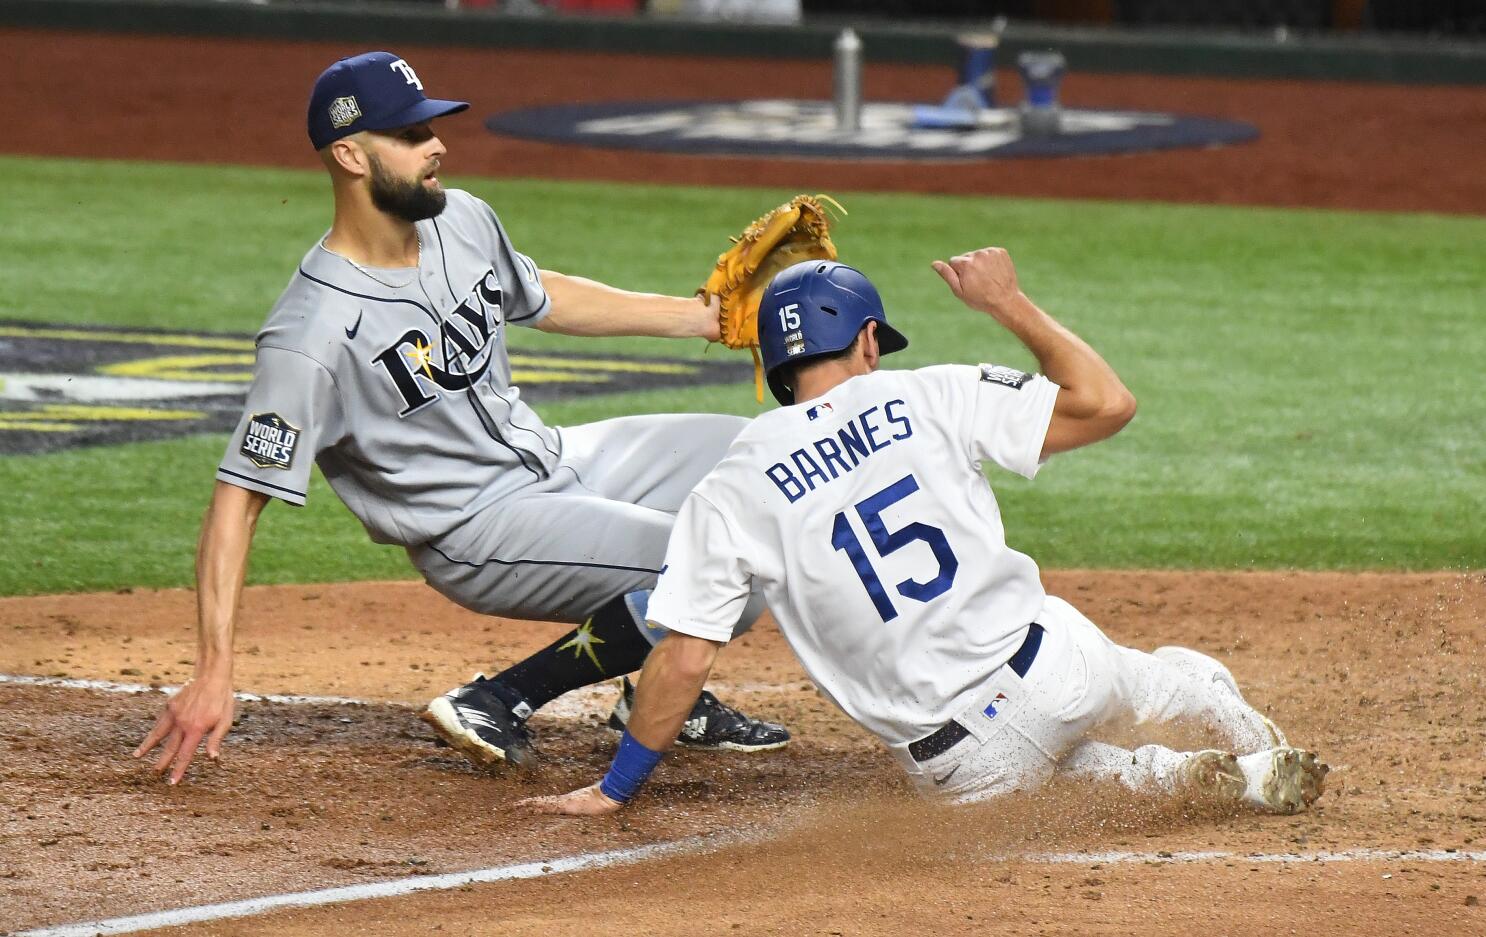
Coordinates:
column 1310, row 382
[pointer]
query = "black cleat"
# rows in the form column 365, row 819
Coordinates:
column 476, row 721
column 711, row 725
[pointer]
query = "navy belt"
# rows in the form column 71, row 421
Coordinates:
column 952, row 733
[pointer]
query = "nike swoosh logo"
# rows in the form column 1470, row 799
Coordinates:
column 351, row 332
column 939, row 781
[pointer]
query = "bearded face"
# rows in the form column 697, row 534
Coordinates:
column 406, row 198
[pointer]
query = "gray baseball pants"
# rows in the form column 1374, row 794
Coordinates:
column 595, row 529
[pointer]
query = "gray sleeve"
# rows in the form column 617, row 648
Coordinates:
column 525, row 301
column 292, row 412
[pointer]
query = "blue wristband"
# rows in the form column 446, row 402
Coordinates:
column 632, row 765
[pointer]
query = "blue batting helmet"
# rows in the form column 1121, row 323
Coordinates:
column 815, row 308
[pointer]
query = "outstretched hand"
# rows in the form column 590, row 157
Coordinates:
column 712, row 317
column 983, row 279
column 202, row 709
column 584, row 802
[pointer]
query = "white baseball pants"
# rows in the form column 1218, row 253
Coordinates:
column 1024, row 729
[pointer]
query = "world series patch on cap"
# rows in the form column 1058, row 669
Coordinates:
column 269, row 441
column 344, row 111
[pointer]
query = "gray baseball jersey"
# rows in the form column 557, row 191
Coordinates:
column 398, row 382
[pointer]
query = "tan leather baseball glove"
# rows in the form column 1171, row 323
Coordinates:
column 798, row 230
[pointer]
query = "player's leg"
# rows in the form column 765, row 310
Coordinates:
column 654, row 461
column 1039, row 723
column 1155, row 769
column 1130, row 686
column 560, row 556
column 1246, row 725
column 1283, row 780
column 522, row 561
column 1168, row 686
column 555, row 555
column 1173, row 685
column 1070, row 690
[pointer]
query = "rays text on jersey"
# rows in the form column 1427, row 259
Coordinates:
column 463, row 347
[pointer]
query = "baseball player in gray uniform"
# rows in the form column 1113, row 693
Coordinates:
column 385, row 362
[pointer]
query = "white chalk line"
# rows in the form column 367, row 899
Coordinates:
column 525, row 870
column 384, row 889
column 1347, row 855
column 577, row 703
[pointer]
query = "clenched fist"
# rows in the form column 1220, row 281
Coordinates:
column 983, row 279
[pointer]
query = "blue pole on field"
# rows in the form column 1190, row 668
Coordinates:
column 978, row 66
column 1042, row 73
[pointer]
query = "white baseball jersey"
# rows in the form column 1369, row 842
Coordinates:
column 864, row 518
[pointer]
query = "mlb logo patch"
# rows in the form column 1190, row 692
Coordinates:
column 1009, row 377
column 344, row 112
column 990, row 709
column 269, row 441
column 820, row 410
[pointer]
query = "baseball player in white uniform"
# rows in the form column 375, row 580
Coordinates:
column 859, row 508
column 385, row 363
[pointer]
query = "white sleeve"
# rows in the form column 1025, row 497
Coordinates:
column 704, row 583
column 1002, row 413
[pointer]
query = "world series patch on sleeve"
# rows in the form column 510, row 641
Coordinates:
column 1000, row 374
column 269, row 441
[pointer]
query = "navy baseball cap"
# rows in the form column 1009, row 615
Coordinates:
column 370, row 91
column 814, row 308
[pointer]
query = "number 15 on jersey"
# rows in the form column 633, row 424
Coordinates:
column 885, row 541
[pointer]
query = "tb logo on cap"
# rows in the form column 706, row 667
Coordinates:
column 411, row 76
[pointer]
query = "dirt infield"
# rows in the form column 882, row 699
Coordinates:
column 1331, row 144
column 1382, row 673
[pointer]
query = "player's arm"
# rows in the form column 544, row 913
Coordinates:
column 203, row 707
column 1093, row 403
column 670, row 683
column 703, row 588
column 587, row 307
